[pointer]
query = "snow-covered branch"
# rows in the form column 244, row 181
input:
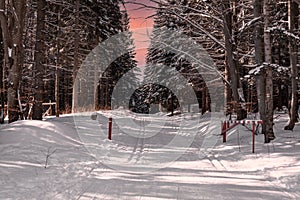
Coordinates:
column 249, row 24
column 201, row 29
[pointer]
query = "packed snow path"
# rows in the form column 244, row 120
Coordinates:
column 227, row 171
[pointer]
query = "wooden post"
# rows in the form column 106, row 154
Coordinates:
column 109, row 128
column 228, row 125
column 57, row 92
column 224, row 127
column 253, row 137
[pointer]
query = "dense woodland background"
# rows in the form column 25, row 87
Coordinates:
column 254, row 43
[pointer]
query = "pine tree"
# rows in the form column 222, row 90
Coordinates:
column 124, row 66
column 174, row 16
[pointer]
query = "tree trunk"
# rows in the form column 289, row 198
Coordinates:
column 259, row 59
column 57, row 71
column 57, row 92
column 76, row 59
column 228, row 93
column 205, row 99
column 6, row 39
column 96, row 81
column 230, row 62
column 12, row 25
column 293, row 11
column 269, row 134
column 279, row 102
column 39, row 60
column 2, row 104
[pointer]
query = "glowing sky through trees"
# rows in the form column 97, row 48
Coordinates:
column 141, row 24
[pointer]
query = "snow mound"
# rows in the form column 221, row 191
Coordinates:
column 38, row 132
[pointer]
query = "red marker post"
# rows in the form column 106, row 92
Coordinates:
column 253, row 137
column 109, row 128
column 224, row 128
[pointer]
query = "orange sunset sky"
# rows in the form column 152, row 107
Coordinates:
column 141, row 24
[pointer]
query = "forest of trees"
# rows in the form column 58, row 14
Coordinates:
column 254, row 43
column 44, row 43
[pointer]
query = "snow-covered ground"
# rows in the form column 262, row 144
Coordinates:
column 70, row 158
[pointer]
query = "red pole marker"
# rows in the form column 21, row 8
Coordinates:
column 225, row 126
column 109, row 128
column 253, row 137
column 224, row 131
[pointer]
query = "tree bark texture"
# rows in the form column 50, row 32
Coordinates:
column 259, row 59
column 269, row 134
column 293, row 11
column 230, row 62
column 12, row 16
column 39, row 61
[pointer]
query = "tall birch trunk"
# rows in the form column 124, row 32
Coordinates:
column 269, row 134
column 76, row 59
column 259, row 59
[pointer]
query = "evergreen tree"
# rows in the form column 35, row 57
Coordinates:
column 170, row 17
column 123, row 69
